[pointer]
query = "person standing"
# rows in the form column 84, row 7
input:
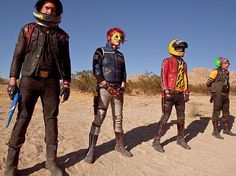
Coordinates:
column 175, row 92
column 110, row 72
column 42, row 57
column 218, row 85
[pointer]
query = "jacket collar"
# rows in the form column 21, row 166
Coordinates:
column 177, row 58
column 109, row 47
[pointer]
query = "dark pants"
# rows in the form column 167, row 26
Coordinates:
column 30, row 89
column 176, row 100
column 220, row 103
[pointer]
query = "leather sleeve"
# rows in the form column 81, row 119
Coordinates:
column 97, row 65
column 164, row 75
column 124, row 72
column 123, row 67
column 66, row 60
column 19, row 55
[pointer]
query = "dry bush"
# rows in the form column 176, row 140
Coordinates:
column 84, row 81
column 148, row 84
column 202, row 89
column 1, row 80
column 199, row 88
column 4, row 81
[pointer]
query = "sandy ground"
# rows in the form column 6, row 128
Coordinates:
column 209, row 156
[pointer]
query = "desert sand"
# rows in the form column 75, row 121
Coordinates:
column 209, row 156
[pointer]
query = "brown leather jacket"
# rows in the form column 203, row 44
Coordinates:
column 26, row 57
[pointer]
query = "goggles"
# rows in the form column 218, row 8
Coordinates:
column 226, row 62
column 180, row 49
column 180, row 44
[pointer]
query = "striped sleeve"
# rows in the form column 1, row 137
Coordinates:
column 211, row 78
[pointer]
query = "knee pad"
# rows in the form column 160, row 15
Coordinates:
column 95, row 130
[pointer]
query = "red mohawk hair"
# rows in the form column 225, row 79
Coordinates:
column 112, row 30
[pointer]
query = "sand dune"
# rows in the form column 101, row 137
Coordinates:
column 208, row 156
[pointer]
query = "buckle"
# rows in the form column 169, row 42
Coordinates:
column 43, row 74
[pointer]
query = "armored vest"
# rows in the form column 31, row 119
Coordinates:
column 221, row 82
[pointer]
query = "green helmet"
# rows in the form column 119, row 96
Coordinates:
column 219, row 60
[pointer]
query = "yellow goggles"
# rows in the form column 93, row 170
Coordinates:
column 116, row 36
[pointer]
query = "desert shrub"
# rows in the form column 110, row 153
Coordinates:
column 84, row 81
column 202, row 89
column 148, row 83
column 1, row 80
column 199, row 88
column 4, row 81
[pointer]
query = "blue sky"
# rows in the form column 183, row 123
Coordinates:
column 207, row 25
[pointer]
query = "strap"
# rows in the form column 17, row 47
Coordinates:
column 29, row 29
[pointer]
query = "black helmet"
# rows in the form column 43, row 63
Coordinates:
column 39, row 4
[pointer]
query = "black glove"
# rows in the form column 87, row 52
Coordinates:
column 186, row 97
column 209, row 89
column 12, row 90
column 212, row 97
column 120, row 91
column 65, row 92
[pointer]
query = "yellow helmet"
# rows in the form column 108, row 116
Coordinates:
column 177, row 44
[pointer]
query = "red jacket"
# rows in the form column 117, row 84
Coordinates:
column 169, row 72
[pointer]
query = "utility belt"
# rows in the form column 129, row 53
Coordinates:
column 47, row 73
column 114, row 85
column 113, row 88
column 176, row 92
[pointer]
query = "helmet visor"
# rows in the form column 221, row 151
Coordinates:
column 180, row 44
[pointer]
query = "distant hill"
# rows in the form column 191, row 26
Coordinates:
column 196, row 76
column 200, row 76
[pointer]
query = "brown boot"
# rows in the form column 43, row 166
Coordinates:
column 227, row 129
column 156, row 143
column 51, row 154
column 92, row 143
column 120, row 146
column 228, row 132
column 182, row 143
column 12, row 161
column 216, row 132
column 180, row 137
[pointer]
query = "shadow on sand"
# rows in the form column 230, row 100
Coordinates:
column 132, row 139
column 193, row 129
